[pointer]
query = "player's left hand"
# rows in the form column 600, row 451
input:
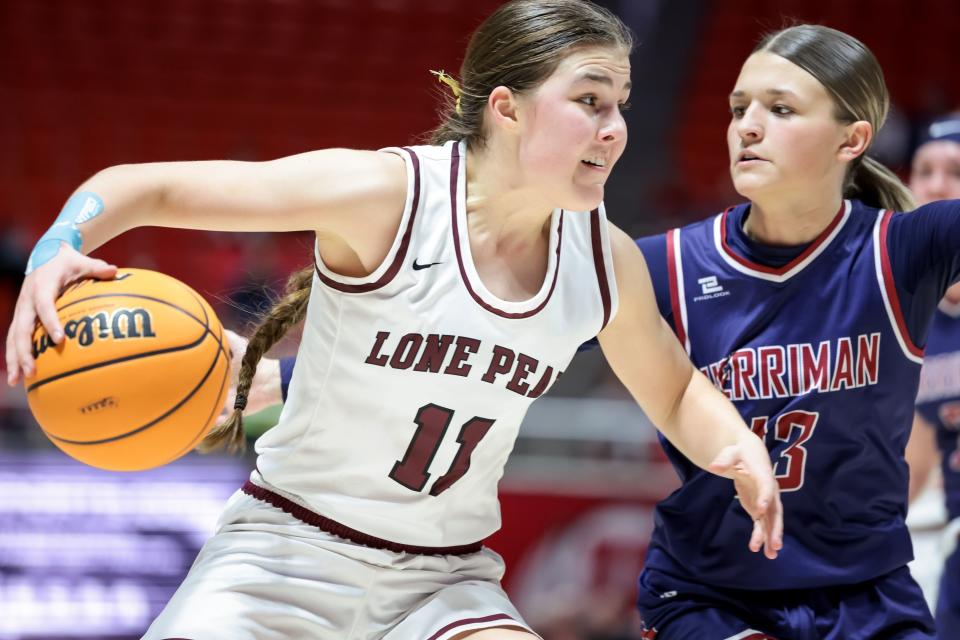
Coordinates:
column 748, row 465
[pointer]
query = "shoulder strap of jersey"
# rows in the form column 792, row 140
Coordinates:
column 678, row 303
column 888, row 288
column 394, row 259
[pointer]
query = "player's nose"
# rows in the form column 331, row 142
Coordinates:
column 613, row 128
column 750, row 127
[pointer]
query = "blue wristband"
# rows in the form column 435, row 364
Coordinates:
column 81, row 207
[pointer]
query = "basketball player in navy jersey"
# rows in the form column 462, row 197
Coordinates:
column 935, row 175
column 452, row 284
column 808, row 306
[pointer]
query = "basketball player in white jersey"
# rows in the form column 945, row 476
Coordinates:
column 452, row 285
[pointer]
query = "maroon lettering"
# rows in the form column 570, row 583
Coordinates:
column 458, row 366
column 794, row 457
column 843, row 369
column 432, row 422
column 790, row 467
column 411, row 471
column 470, row 436
column 780, row 371
column 502, row 362
column 434, row 352
column 406, row 351
column 721, row 375
column 525, row 366
column 815, row 369
column 543, row 384
column 743, row 363
column 793, row 356
column 375, row 356
column 772, row 367
column 868, row 359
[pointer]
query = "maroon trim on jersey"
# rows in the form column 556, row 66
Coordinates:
column 398, row 259
column 891, row 287
column 596, row 239
column 675, row 289
column 454, row 179
column 779, row 271
column 466, row 621
column 332, row 526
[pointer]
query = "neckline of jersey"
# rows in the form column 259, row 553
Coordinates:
column 468, row 270
column 796, row 265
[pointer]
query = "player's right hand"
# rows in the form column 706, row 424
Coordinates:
column 37, row 300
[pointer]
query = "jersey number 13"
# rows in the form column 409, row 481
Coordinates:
column 795, row 428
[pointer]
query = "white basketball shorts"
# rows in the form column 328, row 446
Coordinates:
column 266, row 575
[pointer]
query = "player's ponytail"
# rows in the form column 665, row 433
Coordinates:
column 542, row 33
column 288, row 312
column 852, row 76
column 877, row 186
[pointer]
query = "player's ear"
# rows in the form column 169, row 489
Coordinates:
column 856, row 140
column 503, row 105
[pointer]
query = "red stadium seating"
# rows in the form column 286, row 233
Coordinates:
column 86, row 85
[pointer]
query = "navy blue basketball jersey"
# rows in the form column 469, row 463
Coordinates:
column 938, row 399
column 820, row 355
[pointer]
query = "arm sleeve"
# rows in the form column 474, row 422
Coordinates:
column 286, row 373
column 924, row 248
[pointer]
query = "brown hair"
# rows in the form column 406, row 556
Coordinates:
column 853, row 78
column 541, row 33
column 285, row 314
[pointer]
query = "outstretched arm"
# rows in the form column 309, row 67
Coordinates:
column 352, row 199
column 699, row 421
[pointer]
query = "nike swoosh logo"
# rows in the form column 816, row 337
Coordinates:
column 417, row 267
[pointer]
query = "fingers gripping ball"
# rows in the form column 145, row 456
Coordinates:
column 140, row 377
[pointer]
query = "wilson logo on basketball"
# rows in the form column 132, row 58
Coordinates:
column 119, row 324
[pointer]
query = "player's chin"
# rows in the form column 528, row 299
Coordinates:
column 749, row 186
column 584, row 197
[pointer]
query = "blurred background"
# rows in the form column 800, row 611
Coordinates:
column 85, row 84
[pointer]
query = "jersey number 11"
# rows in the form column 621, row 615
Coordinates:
column 432, row 422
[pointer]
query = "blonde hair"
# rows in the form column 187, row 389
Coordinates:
column 853, row 78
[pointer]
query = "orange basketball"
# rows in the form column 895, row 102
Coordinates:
column 140, row 377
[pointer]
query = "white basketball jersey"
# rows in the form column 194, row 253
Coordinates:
column 411, row 383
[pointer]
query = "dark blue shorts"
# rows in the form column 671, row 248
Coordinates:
column 890, row 607
column 948, row 602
